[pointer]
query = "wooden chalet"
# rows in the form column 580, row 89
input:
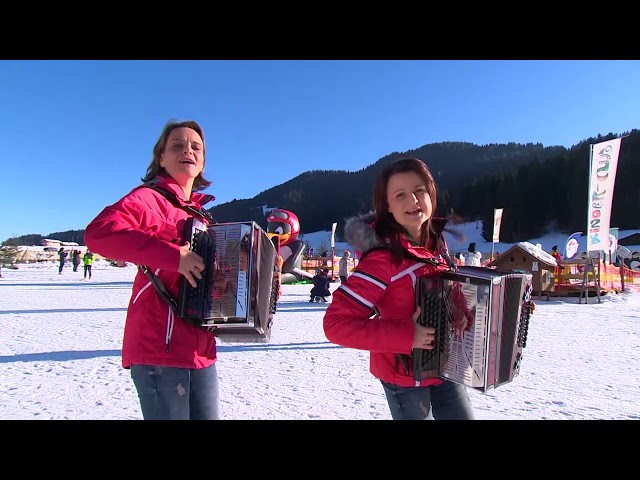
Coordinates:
column 524, row 257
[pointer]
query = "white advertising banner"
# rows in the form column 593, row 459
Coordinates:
column 602, row 179
column 333, row 234
column 497, row 220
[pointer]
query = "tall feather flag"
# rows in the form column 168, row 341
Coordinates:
column 602, row 177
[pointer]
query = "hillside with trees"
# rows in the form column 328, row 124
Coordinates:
column 538, row 187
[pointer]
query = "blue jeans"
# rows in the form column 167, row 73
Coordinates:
column 169, row 393
column 448, row 401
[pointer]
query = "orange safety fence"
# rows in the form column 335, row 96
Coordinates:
column 611, row 277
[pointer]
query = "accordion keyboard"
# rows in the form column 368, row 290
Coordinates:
column 205, row 247
column 433, row 313
column 195, row 303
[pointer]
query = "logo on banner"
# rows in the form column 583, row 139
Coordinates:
column 613, row 245
column 572, row 245
column 602, row 176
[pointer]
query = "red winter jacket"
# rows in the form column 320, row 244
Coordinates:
column 372, row 310
column 144, row 228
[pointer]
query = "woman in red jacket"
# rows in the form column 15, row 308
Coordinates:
column 374, row 310
column 172, row 362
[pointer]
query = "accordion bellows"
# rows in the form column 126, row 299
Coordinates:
column 237, row 294
column 487, row 354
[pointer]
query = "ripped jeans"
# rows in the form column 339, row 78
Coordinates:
column 169, row 393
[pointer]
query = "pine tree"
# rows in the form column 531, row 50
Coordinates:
column 323, row 247
column 9, row 252
column 307, row 248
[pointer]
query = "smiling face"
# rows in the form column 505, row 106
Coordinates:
column 164, row 151
column 409, row 202
column 404, row 200
column 183, row 156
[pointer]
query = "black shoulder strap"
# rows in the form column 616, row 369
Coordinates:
column 159, row 287
column 450, row 263
column 170, row 196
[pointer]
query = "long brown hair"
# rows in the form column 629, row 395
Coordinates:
column 154, row 169
column 386, row 226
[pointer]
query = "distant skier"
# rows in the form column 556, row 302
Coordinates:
column 76, row 260
column 63, row 258
column 87, row 259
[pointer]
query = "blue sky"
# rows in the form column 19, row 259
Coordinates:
column 77, row 135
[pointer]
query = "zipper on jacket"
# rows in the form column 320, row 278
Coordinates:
column 170, row 321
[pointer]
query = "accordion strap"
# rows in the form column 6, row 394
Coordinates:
column 170, row 196
column 159, row 287
column 162, row 292
column 450, row 263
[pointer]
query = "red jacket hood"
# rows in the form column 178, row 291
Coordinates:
column 359, row 232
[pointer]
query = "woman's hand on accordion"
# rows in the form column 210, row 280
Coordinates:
column 191, row 265
column 423, row 337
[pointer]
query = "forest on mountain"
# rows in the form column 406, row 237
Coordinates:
column 538, row 187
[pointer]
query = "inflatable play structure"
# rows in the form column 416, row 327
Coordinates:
column 285, row 225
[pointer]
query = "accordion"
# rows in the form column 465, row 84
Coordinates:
column 488, row 352
column 236, row 297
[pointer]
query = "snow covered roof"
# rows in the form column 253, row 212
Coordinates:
column 535, row 251
column 538, row 252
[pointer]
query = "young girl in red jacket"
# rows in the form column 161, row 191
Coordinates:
column 375, row 309
column 172, row 362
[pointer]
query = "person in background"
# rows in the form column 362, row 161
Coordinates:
column 62, row 258
column 76, row 260
column 320, row 289
column 375, row 310
column 87, row 260
column 472, row 257
column 172, row 362
column 343, row 267
column 558, row 258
